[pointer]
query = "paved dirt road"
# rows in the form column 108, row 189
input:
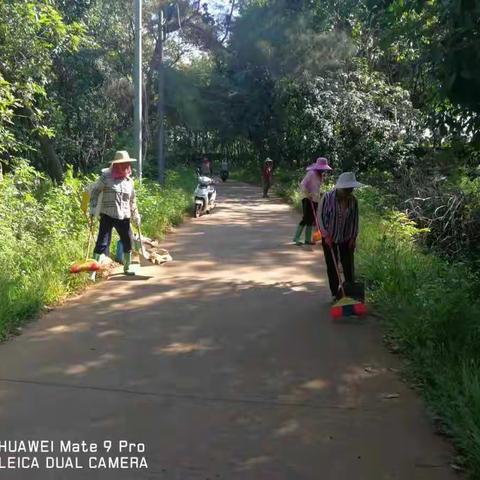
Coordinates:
column 224, row 363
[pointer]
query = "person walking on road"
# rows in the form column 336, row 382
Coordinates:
column 339, row 223
column 267, row 176
column 206, row 167
column 118, row 207
column 310, row 188
column 224, row 165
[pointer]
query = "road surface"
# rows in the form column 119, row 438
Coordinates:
column 224, row 363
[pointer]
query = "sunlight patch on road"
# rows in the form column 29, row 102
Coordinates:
column 179, row 348
column 316, row 384
column 289, row 427
column 49, row 333
column 82, row 368
column 253, row 462
column 111, row 333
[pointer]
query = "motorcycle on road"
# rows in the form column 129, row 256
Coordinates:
column 224, row 175
column 205, row 196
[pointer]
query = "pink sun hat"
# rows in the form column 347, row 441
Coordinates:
column 320, row 164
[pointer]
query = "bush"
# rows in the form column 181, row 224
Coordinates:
column 162, row 207
column 249, row 174
column 43, row 231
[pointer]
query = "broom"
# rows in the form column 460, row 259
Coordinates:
column 317, row 235
column 144, row 256
column 87, row 265
column 346, row 306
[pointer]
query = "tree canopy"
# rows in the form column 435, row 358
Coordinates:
column 370, row 83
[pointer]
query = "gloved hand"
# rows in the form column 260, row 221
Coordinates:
column 352, row 243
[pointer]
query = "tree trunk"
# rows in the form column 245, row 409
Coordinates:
column 51, row 161
column 146, row 126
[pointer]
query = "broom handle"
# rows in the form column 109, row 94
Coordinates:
column 340, row 284
column 90, row 236
column 315, row 215
column 339, row 276
column 140, row 237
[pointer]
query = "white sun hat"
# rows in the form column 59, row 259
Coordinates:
column 348, row 180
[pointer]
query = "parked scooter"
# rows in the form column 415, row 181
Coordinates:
column 205, row 196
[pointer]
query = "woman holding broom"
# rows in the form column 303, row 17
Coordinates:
column 310, row 188
column 118, row 207
column 338, row 218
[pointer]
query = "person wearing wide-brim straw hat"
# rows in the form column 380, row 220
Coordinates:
column 310, row 189
column 267, row 176
column 118, row 206
column 339, row 223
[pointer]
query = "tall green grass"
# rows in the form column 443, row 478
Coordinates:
column 43, row 230
column 431, row 310
column 163, row 207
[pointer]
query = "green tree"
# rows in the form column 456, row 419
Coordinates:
column 32, row 36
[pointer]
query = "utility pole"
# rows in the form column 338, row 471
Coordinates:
column 161, row 101
column 138, row 81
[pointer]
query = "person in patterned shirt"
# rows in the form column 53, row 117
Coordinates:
column 339, row 224
column 115, row 192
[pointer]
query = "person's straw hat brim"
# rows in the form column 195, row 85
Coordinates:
column 122, row 156
column 321, row 165
column 348, row 180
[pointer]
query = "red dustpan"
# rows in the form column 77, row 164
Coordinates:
column 346, row 306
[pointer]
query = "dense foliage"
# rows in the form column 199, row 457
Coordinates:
column 388, row 88
column 431, row 309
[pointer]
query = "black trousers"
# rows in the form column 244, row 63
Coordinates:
column 347, row 260
column 105, row 233
column 266, row 186
column 308, row 218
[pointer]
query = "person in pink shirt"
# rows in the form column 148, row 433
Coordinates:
column 310, row 187
column 267, row 176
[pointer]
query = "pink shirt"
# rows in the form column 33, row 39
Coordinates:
column 311, row 185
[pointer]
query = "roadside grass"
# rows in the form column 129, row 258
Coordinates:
column 43, row 231
column 431, row 314
column 164, row 207
column 431, row 310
